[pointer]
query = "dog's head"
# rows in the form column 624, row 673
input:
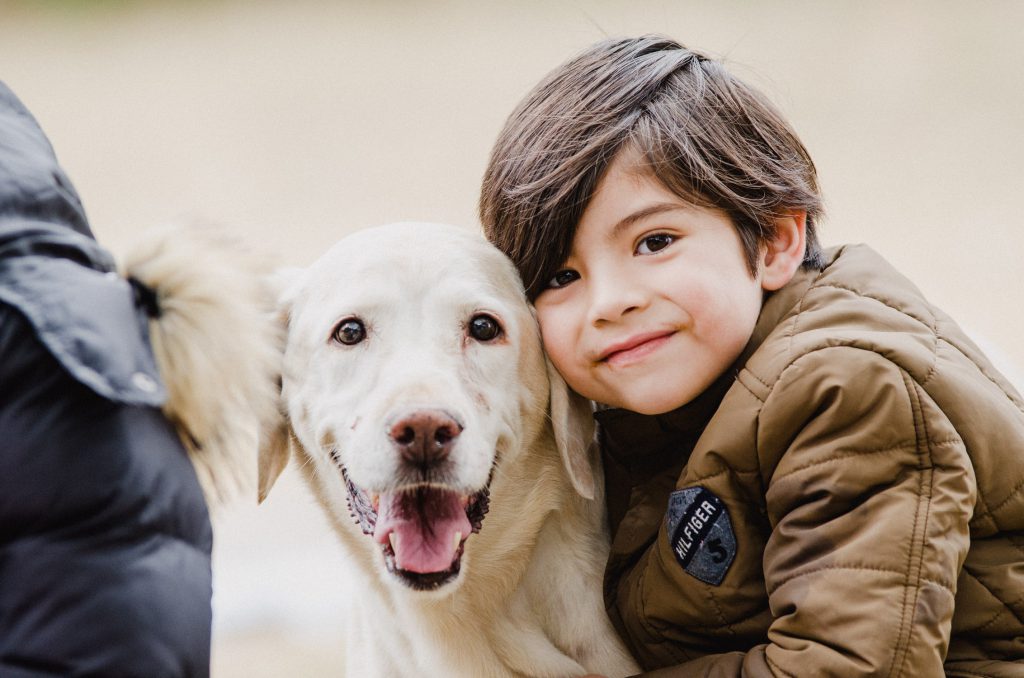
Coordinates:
column 412, row 370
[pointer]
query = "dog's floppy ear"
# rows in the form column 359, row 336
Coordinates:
column 573, row 423
column 275, row 450
column 276, row 438
column 215, row 341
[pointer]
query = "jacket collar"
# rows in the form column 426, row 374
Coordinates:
column 777, row 305
column 646, row 444
column 24, row 238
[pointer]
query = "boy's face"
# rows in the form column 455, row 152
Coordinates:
column 655, row 301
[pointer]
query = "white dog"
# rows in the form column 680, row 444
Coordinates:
column 452, row 461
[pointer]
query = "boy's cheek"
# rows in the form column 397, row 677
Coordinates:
column 562, row 346
column 560, row 356
column 553, row 334
column 563, row 356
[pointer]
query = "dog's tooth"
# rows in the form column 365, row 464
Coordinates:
column 393, row 537
column 457, row 540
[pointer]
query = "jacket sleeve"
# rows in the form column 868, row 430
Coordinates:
column 869, row 491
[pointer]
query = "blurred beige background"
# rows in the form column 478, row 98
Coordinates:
column 295, row 123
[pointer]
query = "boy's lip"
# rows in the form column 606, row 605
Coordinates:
column 634, row 347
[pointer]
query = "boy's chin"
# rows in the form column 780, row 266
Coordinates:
column 653, row 403
column 654, row 409
column 661, row 392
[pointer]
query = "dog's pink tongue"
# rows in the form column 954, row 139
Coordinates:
column 424, row 522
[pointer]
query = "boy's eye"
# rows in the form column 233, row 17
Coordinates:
column 563, row 278
column 653, row 243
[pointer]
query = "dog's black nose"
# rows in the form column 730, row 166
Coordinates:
column 425, row 437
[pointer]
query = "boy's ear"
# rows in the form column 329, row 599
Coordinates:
column 784, row 253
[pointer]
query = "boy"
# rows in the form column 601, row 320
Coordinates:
column 810, row 470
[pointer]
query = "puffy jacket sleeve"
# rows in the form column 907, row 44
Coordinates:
column 869, row 491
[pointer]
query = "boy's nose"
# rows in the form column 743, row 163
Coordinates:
column 613, row 299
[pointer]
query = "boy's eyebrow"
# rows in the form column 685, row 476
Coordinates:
column 641, row 214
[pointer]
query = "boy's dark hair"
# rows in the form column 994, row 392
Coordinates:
column 708, row 137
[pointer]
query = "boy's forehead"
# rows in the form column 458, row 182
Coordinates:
column 631, row 191
column 629, row 165
column 627, row 169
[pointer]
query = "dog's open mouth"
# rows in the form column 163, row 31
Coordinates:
column 422, row 530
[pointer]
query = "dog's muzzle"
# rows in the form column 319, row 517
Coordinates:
column 421, row 527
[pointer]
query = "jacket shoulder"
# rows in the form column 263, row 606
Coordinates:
column 88, row 321
column 858, row 301
column 860, row 317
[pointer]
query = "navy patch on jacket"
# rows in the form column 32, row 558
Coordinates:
column 700, row 534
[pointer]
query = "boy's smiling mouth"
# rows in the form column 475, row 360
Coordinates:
column 634, row 349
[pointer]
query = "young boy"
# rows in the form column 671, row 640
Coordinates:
column 810, row 470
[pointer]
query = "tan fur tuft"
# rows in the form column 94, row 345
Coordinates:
column 218, row 349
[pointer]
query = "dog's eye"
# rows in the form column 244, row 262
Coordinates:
column 484, row 328
column 349, row 331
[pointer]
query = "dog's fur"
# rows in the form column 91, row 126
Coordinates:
column 217, row 345
column 527, row 598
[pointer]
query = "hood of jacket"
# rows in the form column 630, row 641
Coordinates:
column 59, row 278
column 33, row 187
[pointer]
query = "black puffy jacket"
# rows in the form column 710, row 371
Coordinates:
column 104, row 534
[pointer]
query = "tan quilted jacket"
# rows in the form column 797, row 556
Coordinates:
column 848, row 502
